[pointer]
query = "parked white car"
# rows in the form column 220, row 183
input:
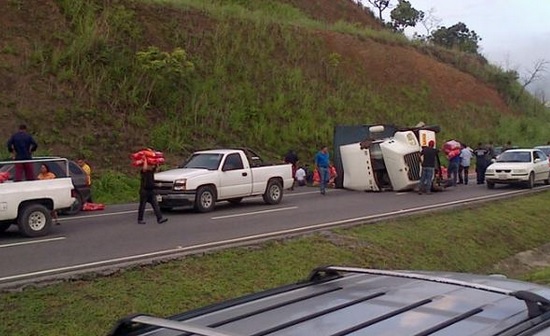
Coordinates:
column 525, row 166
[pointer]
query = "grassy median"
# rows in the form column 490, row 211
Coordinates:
column 473, row 240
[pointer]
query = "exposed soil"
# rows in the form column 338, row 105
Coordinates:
column 29, row 93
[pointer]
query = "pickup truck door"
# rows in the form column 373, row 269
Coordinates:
column 235, row 177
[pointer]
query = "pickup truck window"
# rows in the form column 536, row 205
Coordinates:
column 204, row 161
column 233, row 162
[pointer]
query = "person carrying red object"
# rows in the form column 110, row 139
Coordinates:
column 4, row 176
column 147, row 193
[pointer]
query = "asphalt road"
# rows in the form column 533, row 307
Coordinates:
column 102, row 240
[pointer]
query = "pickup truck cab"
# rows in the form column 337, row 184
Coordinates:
column 221, row 174
column 29, row 204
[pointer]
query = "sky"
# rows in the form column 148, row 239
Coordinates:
column 515, row 33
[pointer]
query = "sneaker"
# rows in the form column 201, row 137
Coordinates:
column 162, row 220
column 141, row 222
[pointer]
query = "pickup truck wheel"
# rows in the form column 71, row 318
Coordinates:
column 35, row 220
column 75, row 207
column 4, row 225
column 205, row 199
column 531, row 182
column 273, row 193
column 235, row 200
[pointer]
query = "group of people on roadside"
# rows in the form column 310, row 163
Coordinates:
column 458, row 170
column 323, row 173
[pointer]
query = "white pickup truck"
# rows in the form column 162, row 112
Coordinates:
column 29, row 204
column 222, row 174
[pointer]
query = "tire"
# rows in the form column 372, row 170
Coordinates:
column 273, row 193
column 205, row 200
column 490, row 185
column 4, row 225
column 531, row 182
column 34, row 220
column 547, row 181
column 165, row 208
column 235, row 200
column 75, row 207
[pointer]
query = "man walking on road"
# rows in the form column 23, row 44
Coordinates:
column 147, row 194
column 21, row 145
column 322, row 162
column 428, row 156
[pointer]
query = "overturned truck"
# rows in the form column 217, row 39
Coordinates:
column 386, row 158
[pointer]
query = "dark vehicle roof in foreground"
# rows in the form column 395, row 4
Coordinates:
column 355, row 301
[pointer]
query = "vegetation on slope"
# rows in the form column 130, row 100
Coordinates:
column 100, row 78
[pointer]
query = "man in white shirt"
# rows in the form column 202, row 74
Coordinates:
column 465, row 158
column 301, row 177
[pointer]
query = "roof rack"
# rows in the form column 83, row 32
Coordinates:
column 536, row 304
column 125, row 324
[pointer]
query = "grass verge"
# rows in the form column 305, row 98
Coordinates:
column 470, row 240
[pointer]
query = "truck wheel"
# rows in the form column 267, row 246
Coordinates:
column 34, row 220
column 205, row 199
column 235, row 200
column 531, row 182
column 4, row 225
column 273, row 193
column 75, row 207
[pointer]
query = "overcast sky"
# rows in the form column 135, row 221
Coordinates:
column 515, row 33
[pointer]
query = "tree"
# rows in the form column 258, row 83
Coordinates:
column 429, row 21
column 404, row 15
column 535, row 74
column 457, row 37
column 381, row 5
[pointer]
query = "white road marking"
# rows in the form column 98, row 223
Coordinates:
column 255, row 212
column 28, row 242
column 262, row 236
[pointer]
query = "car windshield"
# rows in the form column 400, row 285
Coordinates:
column 204, row 161
column 514, row 157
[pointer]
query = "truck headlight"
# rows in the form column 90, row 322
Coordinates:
column 180, row 185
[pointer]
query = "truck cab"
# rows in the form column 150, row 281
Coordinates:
column 385, row 163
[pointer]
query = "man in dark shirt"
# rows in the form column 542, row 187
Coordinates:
column 21, row 145
column 482, row 155
column 428, row 156
column 147, row 193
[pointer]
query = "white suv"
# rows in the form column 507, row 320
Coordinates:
column 527, row 166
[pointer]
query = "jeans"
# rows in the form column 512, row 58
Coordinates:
column 480, row 170
column 453, row 172
column 148, row 196
column 463, row 172
column 426, row 179
column 324, row 175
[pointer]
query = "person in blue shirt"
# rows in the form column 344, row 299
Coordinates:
column 21, row 145
column 322, row 164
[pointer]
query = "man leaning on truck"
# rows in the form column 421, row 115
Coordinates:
column 21, row 145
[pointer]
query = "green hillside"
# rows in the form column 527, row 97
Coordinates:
column 101, row 78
